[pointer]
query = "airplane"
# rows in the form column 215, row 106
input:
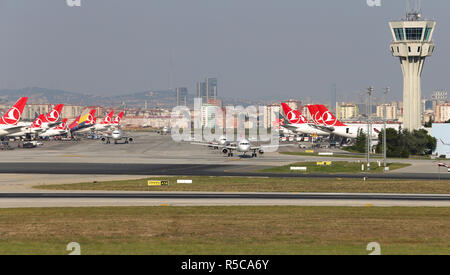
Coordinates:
column 105, row 124
column 296, row 122
column 33, row 130
column 117, row 135
column 448, row 144
column 83, row 122
column 216, row 144
column 244, row 146
column 57, row 130
column 9, row 121
column 326, row 121
column 117, row 120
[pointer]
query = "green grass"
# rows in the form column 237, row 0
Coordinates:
column 239, row 184
column 225, row 230
column 335, row 167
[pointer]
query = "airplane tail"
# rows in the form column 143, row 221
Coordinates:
column 315, row 114
column 63, row 125
column 37, row 123
column 108, row 118
column 13, row 115
column 293, row 116
column 91, row 117
column 54, row 114
column 118, row 119
column 74, row 123
column 327, row 117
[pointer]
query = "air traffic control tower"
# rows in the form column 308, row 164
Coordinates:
column 412, row 44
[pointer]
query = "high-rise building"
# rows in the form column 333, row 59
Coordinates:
column 347, row 111
column 412, row 45
column 201, row 91
column 443, row 112
column 207, row 90
column 182, row 94
column 211, row 88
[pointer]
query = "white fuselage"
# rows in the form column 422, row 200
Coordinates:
column 352, row 130
column 307, row 129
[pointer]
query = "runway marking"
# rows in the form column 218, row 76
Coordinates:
column 70, row 156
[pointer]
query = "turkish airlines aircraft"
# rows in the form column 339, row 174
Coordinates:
column 52, row 119
column 105, row 124
column 298, row 123
column 244, row 146
column 9, row 121
column 117, row 120
column 56, row 131
column 33, row 130
column 117, row 135
column 326, row 121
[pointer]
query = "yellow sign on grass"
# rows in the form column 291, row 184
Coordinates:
column 324, row 163
column 309, row 151
column 158, row 183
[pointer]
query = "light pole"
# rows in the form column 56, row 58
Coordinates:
column 369, row 128
column 386, row 91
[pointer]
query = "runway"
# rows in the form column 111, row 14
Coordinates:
column 88, row 199
column 249, row 170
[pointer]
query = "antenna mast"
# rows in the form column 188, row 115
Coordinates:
column 413, row 14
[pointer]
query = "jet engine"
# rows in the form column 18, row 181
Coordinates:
column 261, row 151
column 225, row 150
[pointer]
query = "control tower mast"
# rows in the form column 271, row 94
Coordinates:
column 412, row 45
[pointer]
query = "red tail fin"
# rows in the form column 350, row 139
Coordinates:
column 91, row 118
column 118, row 118
column 328, row 118
column 54, row 114
column 37, row 123
column 63, row 125
column 108, row 118
column 315, row 114
column 294, row 116
column 13, row 115
column 75, row 122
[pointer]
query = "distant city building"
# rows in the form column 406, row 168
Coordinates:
column 207, row 90
column 391, row 111
column 211, row 88
column 201, row 91
column 440, row 96
column 182, row 94
column 347, row 111
column 443, row 112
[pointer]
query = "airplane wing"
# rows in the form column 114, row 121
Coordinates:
column 323, row 128
column 14, row 129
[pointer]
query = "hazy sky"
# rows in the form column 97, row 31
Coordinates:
column 257, row 48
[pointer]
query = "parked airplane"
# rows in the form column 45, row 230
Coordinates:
column 32, row 131
column 326, row 121
column 117, row 120
column 105, row 124
column 83, row 122
column 9, row 121
column 59, row 130
column 117, row 135
column 296, row 122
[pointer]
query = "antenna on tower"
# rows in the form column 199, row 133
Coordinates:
column 413, row 13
